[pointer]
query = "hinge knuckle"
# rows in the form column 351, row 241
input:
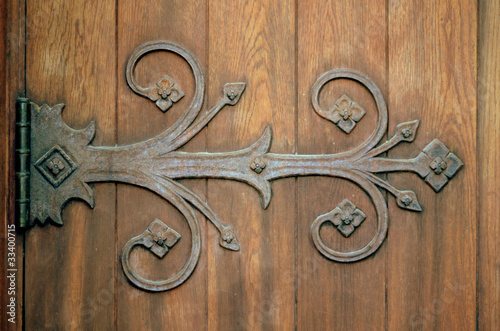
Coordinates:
column 23, row 135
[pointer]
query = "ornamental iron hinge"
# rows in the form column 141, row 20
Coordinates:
column 58, row 163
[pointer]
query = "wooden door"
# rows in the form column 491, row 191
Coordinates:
column 433, row 61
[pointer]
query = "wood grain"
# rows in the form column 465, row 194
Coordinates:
column 4, row 166
column 252, row 41
column 489, row 166
column 12, row 85
column 421, row 54
column 338, row 34
column 185, row 307
column 70, row 269
column 431, row 266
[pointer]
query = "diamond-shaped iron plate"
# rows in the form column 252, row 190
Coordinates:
column 55, row 165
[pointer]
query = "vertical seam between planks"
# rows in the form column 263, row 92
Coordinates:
column 387, row 89
column 25, row 43
column 478, row 155
column 115, row 290
column 23, row 314
column 207, row 82
column 296, row 129
column 6, row 144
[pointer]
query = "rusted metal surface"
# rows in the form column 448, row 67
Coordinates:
column 23, row 134
column 64, row 161
column 346, row 217
column 159, row 238
column 345, row 113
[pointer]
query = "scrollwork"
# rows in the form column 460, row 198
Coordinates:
column 156, row 164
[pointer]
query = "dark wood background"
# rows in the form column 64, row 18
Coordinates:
column 436, row 61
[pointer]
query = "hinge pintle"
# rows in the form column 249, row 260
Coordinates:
column 23, row 135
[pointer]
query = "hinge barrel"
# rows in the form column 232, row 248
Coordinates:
column 23, row 136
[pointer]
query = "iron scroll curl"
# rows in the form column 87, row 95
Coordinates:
column 357, row 178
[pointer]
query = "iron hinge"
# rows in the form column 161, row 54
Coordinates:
column 58, row 163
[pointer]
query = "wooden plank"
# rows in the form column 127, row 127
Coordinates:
column 338, row 34
column 184, row 22
column 252, row 41
column 12, row 52
column 70, row 269
column 489, row 166
column 5, row 147
column 431, row 265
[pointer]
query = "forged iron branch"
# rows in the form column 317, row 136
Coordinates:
column 64, row 161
